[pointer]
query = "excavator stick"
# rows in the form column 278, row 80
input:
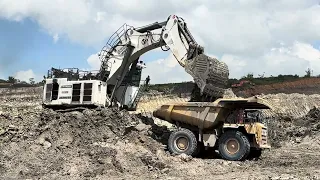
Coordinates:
column 210, row 74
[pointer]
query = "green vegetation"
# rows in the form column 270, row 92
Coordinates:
column 13, row 82
column 3, row 81
column 261, row 80
column 266, row 80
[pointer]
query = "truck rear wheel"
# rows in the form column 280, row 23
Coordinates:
column 182, row 141
column 234, row 145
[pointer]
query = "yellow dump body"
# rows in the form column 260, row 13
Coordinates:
column 206, row 115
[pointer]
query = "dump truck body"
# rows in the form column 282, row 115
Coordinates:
column 210, row 121
column 206, row 115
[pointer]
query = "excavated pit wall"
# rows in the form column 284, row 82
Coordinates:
column 283, row 105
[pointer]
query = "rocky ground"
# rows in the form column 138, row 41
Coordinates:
column 38, row 143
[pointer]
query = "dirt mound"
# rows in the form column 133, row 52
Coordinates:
column 290, row 106
column 295, row 130
column 84, row 144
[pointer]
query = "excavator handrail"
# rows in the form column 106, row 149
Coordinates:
column 112, row 41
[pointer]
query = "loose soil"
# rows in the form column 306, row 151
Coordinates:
column 38, row 143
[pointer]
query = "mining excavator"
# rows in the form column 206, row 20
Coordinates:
column 118, row 83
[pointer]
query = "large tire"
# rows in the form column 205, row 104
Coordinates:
column 182, row 141
column 199, row 150
column 234, row 145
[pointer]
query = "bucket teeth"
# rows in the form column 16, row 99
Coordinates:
column 210, row 74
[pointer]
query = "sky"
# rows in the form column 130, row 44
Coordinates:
column 267, row 37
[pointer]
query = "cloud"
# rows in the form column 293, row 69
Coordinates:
column 294, row 59
column 26, row 75
column 165, row 70
column 160, row 71
column 55, row 38
column 275, row 36
column 94, row 62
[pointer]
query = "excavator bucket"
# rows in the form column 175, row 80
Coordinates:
column 210, row 74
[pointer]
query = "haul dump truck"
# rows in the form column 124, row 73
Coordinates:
column 232, row 126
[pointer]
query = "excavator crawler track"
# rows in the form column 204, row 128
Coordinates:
column 210, row 74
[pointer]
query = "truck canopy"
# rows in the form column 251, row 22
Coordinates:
column 243, row 103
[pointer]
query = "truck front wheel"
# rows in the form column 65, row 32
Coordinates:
column 182, row 141
column 234, row 145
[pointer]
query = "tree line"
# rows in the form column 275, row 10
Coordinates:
column 12, row 81
column 262, row 80
column 259, row 80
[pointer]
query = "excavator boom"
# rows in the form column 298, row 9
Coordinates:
column 209, row 74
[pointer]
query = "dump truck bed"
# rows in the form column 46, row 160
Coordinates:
column 206, row 115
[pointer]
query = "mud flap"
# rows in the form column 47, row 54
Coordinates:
column 210, row 74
